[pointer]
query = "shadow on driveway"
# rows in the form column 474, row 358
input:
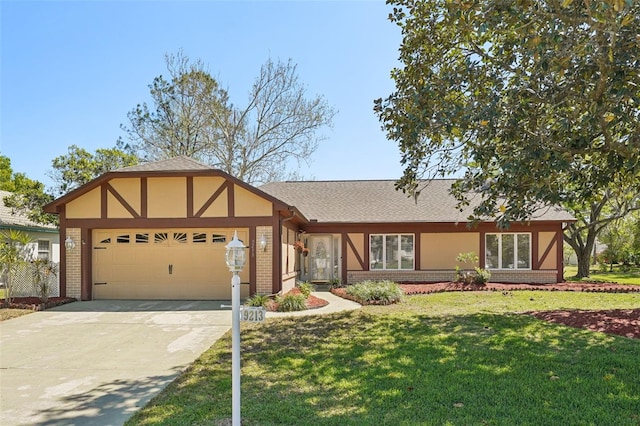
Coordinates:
column 98, row 362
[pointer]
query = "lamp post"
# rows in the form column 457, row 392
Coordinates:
column 235, row 258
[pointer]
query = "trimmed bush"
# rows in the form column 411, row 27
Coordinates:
column 291, row 302
column 305, row 288
column 482, row 276
column 258, row 300
column 376, row 292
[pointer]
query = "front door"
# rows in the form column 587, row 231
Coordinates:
column 324, row 258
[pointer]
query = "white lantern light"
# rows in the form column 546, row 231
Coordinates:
column 235, row 256
column 69, row 244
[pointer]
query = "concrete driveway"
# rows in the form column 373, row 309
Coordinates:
column 97, row 363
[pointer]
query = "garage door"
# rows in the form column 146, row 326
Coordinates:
column 168, row 264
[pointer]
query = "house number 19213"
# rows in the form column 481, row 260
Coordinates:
column 252, row 314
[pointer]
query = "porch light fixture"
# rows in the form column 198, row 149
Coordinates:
column 69, row 244
column 235, row 258
column 263, row 242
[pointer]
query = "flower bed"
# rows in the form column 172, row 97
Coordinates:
column 35, row 304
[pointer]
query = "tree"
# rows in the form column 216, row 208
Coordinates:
column 615, row 206
column 80, row 166
column 28, row 195
column 537, row 101
column 14, row 256
column 193, row 116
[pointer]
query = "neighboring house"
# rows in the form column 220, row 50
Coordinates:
column 159, row 231
column 45, row 244
column 45, row 238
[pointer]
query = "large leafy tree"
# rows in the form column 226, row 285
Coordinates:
column 614, row 206
column 537, row 102
column 79, row 166
column 192, row 115
column 28, row 195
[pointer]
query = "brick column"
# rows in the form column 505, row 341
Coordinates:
column 74, row 263
column 264, row 264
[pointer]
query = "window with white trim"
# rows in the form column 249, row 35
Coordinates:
column 391, row 251
column 44, row 249
column 507, row 251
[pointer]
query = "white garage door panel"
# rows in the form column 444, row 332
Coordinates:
column 164, row 264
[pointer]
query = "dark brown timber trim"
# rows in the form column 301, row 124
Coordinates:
column 231, row 200
column 276, row 255
column 63, row 253
column 546, row 253
column 189, row 196
column 253, row 287
column 121, row 200
column 211, row 199
column 559, row 257
column 143, row 197
column 355, row 252
column 103, row 201
column 191, row 222
column 85, row 264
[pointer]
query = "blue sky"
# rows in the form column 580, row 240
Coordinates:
column 71, row 70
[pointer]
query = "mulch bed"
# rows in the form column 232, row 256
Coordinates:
column 312, row 302
column 623, row 322
column 35, row 304
column 566, row 286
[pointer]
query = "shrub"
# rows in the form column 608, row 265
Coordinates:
column 482, row 276
column 259, row 300
column 382, row 292
column 305, row 288
column 462, row 275
column 335, row 283
column 291, row 302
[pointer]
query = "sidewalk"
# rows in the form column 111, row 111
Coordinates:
column 336, row 304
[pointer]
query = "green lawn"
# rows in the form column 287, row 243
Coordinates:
column 629, row 277
column 444, row 359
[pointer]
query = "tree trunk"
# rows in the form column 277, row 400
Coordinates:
column 584, row 257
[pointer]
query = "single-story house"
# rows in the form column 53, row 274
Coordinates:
column 45, row 239
column 159, row 230
column 45, row 244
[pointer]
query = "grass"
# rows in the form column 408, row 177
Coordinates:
column 6, row 314
column 442, row 359
column 617, row 276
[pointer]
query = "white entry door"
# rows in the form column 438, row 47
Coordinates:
column 323, row 262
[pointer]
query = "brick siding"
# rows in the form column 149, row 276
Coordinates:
column 264, row 262
column 74, row 260
column 528, row 277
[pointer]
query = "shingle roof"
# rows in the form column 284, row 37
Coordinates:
column 182, row 163
column 377, row 201
column 14, row 220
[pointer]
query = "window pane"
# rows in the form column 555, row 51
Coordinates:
column 219, row 238
column 180, row 237
column 523, row 251
column 160, row 237
column 508, row 251
column 406, row 252
column 122, row 239
column 142, row 238
column 491, row 252
column 375, row 255
column 199, row 237
column 391, row 246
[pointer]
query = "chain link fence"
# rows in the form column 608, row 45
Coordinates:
column 24, row 283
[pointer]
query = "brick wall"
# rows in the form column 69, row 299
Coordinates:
column 264, row 262
column 74, row 258
column 529, row 277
